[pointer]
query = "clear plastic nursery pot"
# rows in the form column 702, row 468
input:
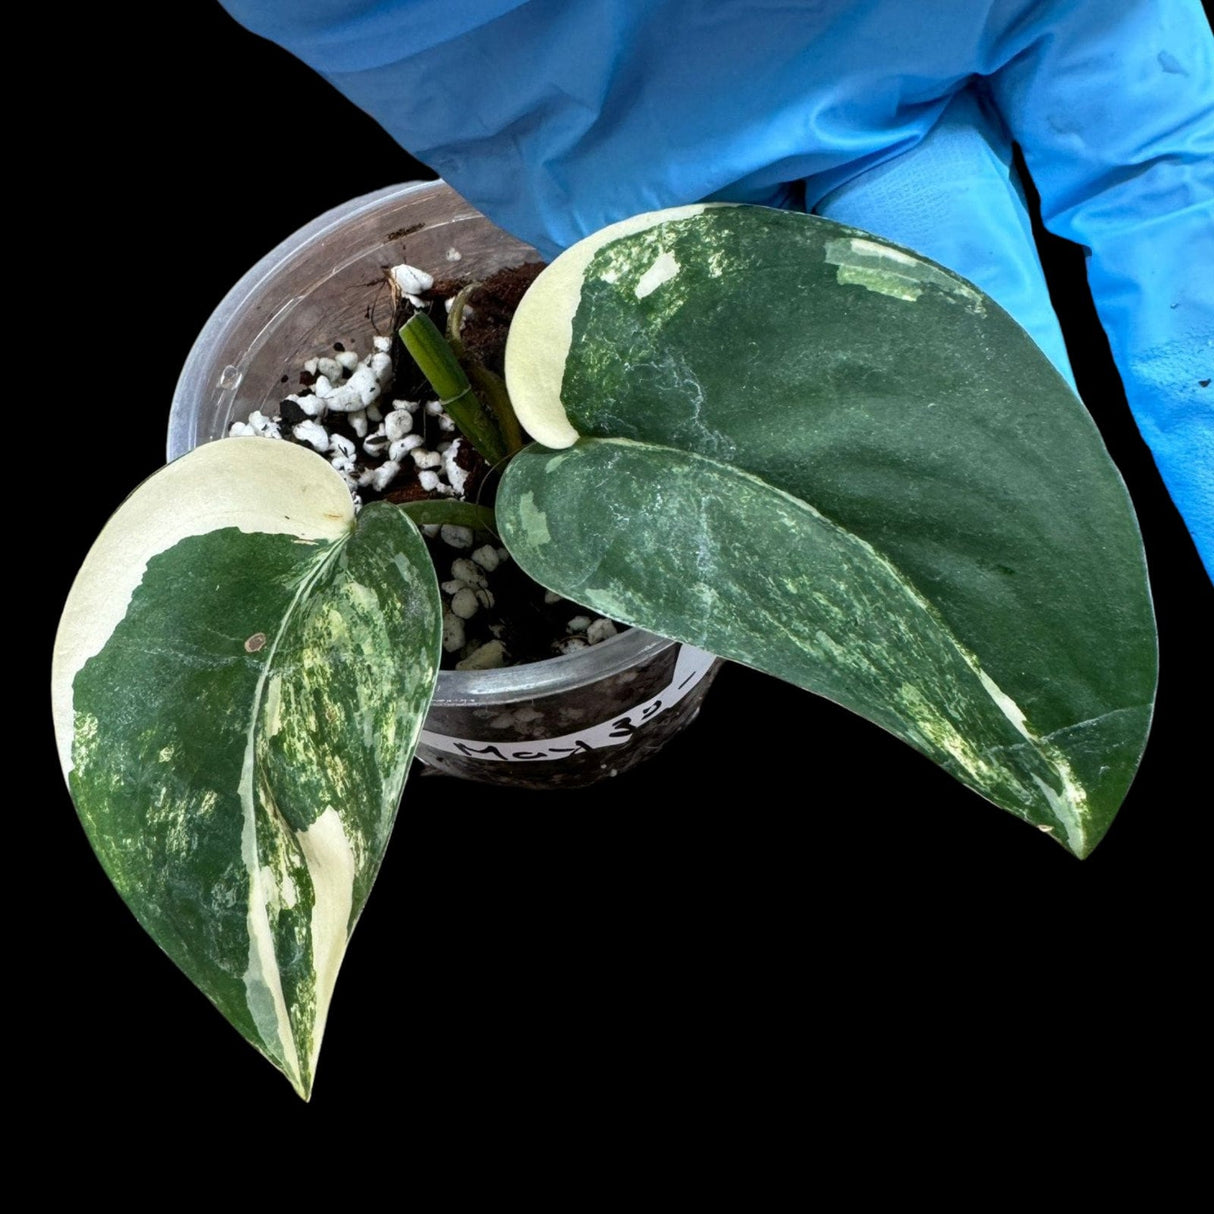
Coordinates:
column 563, row 722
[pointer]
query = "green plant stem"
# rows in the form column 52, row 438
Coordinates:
column 490, row 388
column 439, row 365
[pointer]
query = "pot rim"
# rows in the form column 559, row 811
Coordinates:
column 566, row 672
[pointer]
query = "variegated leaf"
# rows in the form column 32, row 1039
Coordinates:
column 240, row 675
column 847, row 467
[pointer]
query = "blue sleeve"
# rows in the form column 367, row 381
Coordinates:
column 555, row 118
column 1113, row 105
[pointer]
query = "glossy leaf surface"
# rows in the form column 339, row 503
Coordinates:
column 849, row 468
column 240, row 675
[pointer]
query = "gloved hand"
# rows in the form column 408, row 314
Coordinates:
column 556, row 118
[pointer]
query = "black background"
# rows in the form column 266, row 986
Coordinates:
column 811, row 910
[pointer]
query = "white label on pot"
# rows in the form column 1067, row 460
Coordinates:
column 690, row 667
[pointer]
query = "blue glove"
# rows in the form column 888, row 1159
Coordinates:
column 557, row 117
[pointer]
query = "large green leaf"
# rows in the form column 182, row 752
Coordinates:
column 849, row 468
column 240, row 675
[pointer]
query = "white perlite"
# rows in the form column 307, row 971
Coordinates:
column 348, row 384
column 409, row 280
column 600, row 630
column 457, row 537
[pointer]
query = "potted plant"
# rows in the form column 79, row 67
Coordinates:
column 780, row 440
column 523, row 725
